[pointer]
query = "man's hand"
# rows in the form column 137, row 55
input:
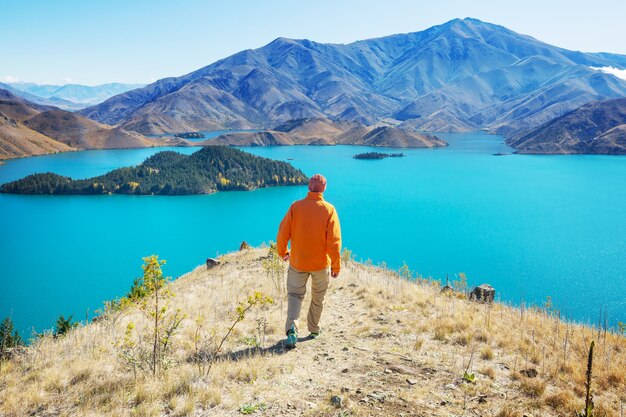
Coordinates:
column 286, row 258
column 334, row 274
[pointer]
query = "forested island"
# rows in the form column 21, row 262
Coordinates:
column 211, row 169
column 190, row 135
column 378, row 155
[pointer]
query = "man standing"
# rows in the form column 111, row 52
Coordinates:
column 312, row 226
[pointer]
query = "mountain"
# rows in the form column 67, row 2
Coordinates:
column 211, row 169
column 53, row 101
column 16, row 140
column 83, row 133
column 69, row 96
column 28, row 128
column 321, row 131
column 459, row 76
column 596, row 128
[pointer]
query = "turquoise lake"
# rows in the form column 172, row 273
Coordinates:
column 532, row 226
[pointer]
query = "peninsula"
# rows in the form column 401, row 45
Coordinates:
column 322, row 131
column 206, row 171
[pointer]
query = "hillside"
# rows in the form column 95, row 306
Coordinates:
column 463, row 75
column 208, row 170
column 16, row 140
column 595, row 128
column 321, row 131
column 28, row 129
column 83, row 133
column 389, row 347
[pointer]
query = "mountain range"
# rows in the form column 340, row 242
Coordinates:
column 68, row 96
column 28, row 128
column 463, row 75
column 320, row 131
column 597, row 127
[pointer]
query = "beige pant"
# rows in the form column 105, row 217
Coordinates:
column 296, row 290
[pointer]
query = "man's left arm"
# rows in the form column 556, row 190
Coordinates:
column 333, row 243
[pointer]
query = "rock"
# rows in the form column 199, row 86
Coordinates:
column 344, row 371
column 336, row 401
column 345, row 389
column 244, row 246
column 388, row 371
column 411, row 381
column 484, row 293
column 447, row 288
column 377, row 396
column 211, row 263
column 401, row 369
column 451, row 387
column 530, row 373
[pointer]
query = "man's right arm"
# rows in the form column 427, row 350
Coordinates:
column 284, row 235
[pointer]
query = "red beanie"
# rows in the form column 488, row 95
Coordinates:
column 317, row 183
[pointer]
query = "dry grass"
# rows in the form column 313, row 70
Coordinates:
column 379, row 332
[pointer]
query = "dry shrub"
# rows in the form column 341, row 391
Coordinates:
column 507, row 412
column 533, row 387
column 490, row 372
column 486, row 353
column 561, row 401
column 182, row 405
column 244, row 372
column 209, row 397
column 418, row 344
column 177, row 387
column 613, row 379
column 463, row 339
column 482, row 336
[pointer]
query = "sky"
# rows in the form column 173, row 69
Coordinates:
column 139, row 41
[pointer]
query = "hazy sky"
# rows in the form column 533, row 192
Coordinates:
column 93, row 41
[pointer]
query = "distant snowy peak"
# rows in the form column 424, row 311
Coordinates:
column 619, row 73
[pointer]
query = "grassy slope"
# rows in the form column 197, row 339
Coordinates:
column 379, row 332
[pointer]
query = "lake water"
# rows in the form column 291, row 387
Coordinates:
column 532, row 226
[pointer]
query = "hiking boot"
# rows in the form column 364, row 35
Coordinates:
column 292, row 338
column 315, row 335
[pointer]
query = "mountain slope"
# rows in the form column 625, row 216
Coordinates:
column 320, row 131
column 597, row 127
column 29, row 129
column 16, row 140
column 83, row 133
column 390, row 347
column 462, row 75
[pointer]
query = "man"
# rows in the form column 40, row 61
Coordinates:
column 312, row 226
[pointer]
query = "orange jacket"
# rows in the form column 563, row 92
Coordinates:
column 312, row 226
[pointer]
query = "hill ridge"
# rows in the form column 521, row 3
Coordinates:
column 390, row 346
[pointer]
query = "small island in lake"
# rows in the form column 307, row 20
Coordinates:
column 377, row 155
column 211, row 169
column 190, row 135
